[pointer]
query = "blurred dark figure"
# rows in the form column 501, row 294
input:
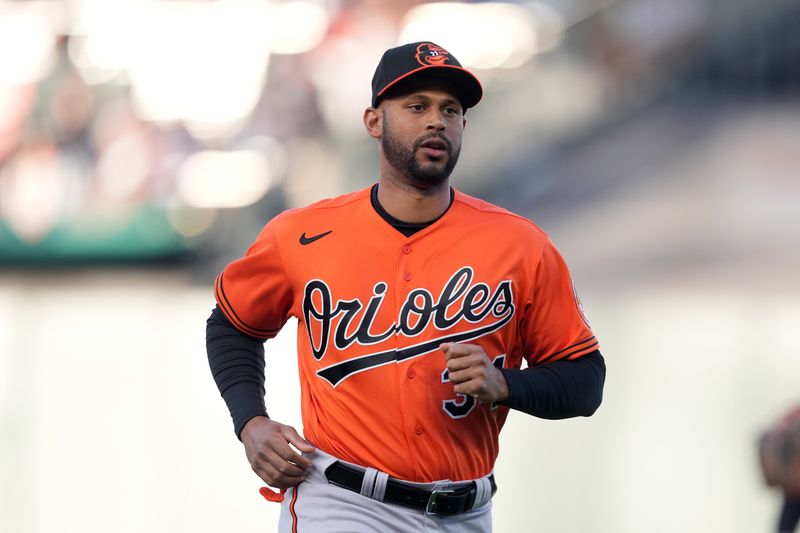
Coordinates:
column 779, row 452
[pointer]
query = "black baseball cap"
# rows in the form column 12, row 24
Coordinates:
column 413, row 59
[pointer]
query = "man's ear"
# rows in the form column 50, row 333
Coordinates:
column 373, row 122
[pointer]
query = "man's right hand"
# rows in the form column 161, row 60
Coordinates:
column 266, row 444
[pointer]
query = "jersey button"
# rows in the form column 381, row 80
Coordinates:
column 406, row 249
column 411, row 374
column 419, row 429
column 407, row 276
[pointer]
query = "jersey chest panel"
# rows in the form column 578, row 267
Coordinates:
column 373, row 310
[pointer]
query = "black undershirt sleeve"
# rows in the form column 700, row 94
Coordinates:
column 237, row 365
column 557, row 390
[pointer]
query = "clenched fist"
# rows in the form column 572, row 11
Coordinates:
column 472, row 373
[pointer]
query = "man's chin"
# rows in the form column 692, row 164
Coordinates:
column 426, row 180
column 433, row 165
column 433, row 168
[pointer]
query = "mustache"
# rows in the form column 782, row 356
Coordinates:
column 436, row 136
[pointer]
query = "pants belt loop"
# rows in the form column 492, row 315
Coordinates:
column 379, row 489
column 483, row 492
column 368, row 484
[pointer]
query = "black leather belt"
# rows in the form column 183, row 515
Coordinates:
column 450, row 500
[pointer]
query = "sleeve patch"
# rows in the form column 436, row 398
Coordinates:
column 579, row 304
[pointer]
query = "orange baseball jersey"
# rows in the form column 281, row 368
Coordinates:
column 374, row 306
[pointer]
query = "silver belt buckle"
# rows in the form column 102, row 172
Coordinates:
column 442, row 488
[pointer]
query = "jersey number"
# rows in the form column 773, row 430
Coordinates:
column 463, row 404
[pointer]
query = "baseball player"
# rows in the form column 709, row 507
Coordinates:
column 417, row 305
column 779, row 454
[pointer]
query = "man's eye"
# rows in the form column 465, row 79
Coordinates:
column 416, row 107
column 451, row 110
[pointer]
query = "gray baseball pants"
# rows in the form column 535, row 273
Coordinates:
column 315, row 506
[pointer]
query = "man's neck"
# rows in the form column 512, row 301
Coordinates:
column 408, row 203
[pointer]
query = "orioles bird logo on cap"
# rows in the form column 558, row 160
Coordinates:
column 430, row 54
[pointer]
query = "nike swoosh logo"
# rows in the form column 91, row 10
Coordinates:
column 308, row 240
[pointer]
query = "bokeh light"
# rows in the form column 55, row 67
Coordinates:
column 223, row 179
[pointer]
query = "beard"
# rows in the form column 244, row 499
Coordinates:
column 404, row 159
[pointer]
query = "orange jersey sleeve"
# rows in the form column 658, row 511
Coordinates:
column 556, row 326
column 254, row 292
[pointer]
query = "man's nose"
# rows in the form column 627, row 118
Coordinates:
column 435, row 120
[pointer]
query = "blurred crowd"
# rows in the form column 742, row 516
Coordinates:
column 134, row 131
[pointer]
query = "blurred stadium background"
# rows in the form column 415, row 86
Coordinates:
column 143, row 144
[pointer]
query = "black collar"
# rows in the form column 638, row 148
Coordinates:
column 406, row 228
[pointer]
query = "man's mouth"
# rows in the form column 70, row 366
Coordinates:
column 434, row 148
